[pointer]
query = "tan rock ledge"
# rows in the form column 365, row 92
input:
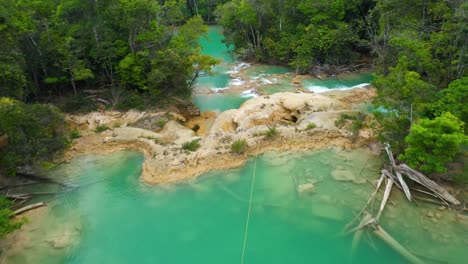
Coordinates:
column 166, row 161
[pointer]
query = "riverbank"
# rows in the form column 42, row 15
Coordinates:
column 166, row 160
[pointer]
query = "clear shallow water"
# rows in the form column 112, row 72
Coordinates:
column 212, row 44
column 341, row 83
column 218, row 102
column 114, row 218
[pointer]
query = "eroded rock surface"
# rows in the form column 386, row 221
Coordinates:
column 290, row 113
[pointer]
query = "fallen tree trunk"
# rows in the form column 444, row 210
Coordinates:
column 9, row 187
column 419, row 178
column 371, row 198
column 388, row 189
column 29, row 207
column 28, row 195
column 426, row 182
column 20, row 196
column 382, row 234
column 38, row 178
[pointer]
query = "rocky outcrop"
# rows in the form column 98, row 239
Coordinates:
column 290, row 113
column 177, row 133
column 145, row 120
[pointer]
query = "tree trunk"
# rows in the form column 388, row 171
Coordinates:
column 72, row 78
column 29, row 207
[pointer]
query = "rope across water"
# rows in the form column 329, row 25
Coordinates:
column 250, row 208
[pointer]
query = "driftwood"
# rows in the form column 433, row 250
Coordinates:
column 9, row 187
column 428, row 183
column 17, row 204
column 29, row 207
column 419, row 178
column 20, row 196
column 103, row 101
column 394, row 176
column 35, row 177
column 371, row 198
column 28, row 195
column 388, row 189
column 389, row 240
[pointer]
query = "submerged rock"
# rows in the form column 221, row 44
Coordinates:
column 344, row 175
column 306, row 188
column 63, row 240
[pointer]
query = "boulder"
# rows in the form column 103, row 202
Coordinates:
column 344, row 175
column 306, row 188
column 177, row 133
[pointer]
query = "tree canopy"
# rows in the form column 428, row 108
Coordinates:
column 53, row 47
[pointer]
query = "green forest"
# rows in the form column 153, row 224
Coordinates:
column 144, row 53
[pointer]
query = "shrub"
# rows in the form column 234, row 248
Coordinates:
column 434, row 143
column 191, row 145
column 117, row 124
column 7, row 224
column 74, row 134
column 311, row 126
column 161, row 123
column 340, row 122
column 271, row 132
column 239, row 146
column 101, row 128
column 348, row 116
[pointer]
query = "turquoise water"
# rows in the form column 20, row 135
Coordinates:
column 262, row 69
column 218, row 79
column 114, row 218
column 122, row 221
column 218, row 102
column 341, row 83
column 212, row 44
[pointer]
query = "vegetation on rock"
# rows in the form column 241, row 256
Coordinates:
column 191, row 145
column 271, row 133
column 239, row 146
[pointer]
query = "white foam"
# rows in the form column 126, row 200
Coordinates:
column 362, row 85
column 238, row 67
column 322, row 89
column 249, row 93
column 259, row 76
column 217, row 90
column 236, row 82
